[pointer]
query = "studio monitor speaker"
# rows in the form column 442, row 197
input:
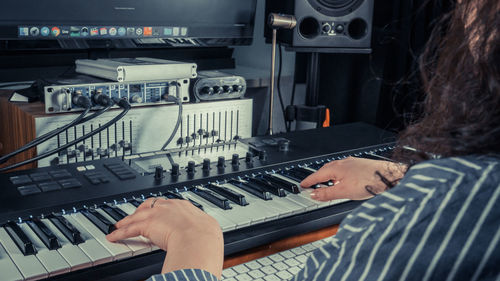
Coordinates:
column 341, row 24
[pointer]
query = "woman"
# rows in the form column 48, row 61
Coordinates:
column 434, row 217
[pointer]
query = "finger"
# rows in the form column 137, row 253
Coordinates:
column 147, row 203
column 322, row 175
column 138, row 215
column 132, row 230
column 339, row 191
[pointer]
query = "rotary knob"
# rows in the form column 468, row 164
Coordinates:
column 221, row 162
column 191, row 168
column 206, row 165
column 175, row 170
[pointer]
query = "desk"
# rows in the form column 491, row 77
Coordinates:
column 279, row 246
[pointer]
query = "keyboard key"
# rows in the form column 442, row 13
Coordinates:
column 116, row 213
column 298, row 251
column 265, row 261
column 288, row 186
column 292, row 262
column 288, row 254
column 284, row 275
column 19, row 237
column 29, row 266
column 277, row 257
column 274, row 189
column 294, row 270
column 272, row 277
column 241, row 268
column 280, row 266
column 46, row 236
column 8, row 268
column 42, row 176
column 256, row 274
column 268, row 270
column 49, row 186
column 252, row 188
column 308, row 247
column 99, row 221
column 73, row 255
column 302, row 258
column 29, row 189
column 253, row 265
column 22, row 179
column 213, row 197
column 228, row 193
column 67, row 229
column 51, row 260
column 229, row 272
column 244, row 277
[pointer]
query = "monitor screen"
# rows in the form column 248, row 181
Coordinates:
column 172, row 22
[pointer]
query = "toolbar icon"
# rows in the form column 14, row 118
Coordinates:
column 23, row 31
column 85, row 31
column 34, row 31
column 130, row 31
column 122, row 31
column 167, row 31
column 74, row 31
column 45, row 31
column 56, row 31
column 148, row 31
column 103, row 31
column 176, row 31
column 138, row 31
column 112, row 31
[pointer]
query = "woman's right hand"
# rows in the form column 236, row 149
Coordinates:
column 353, row 178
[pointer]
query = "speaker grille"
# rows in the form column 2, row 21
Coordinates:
column 335, row 8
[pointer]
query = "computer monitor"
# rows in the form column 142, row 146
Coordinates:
column 127, row 23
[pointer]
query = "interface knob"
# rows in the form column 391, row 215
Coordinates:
column 159, row 173
column 207, row 90
column 235, row 161
column 339, row 28
column 206, row 165
column 218, row 90
column 221, row 162
column 249, row 157
column 175, row 170
column 191, row 168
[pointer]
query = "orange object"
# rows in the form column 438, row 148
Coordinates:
column 327, row 119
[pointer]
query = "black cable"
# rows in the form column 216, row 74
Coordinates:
column 5, row 86
column 292, row 100
column 80, row 101
column 121, row 102
column 278, row 86
column 179, row 119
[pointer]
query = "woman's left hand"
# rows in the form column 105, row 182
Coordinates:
column 191, row 238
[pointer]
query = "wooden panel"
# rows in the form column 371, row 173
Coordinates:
column 279, row 246
column 17, row 127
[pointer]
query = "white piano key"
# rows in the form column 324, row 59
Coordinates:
column 73, row 255
column 225, row 223
column 138, row 245
column 304, row 193
column 29, row 266
column 50, row 259
column 259, row 207
column 130, row 209
column 92, row 248
column 8, row 268
column 118, row 250
column 309, row 203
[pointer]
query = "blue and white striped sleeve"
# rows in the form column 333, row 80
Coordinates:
column 184, row 275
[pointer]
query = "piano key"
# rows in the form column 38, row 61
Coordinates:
column 8, row 268
column 228, row 193
column 175, row 195
column 137, row 244
column 67, row 229
column 98, row 220
column 225, row 223
column 116, row 213
column 291, row 176
column 213, row 197
column 303, row 171
column 135, row 202
column 72, row 254
column 20, row 238
column 252, row 188
column 309, row 168
column 274, row 189
column 118, row 250
column 96, row 252
column 281, row 208
column 46, row 236
column 288, row 186
column 258, row 207
column 29, row 266
column 51, row 260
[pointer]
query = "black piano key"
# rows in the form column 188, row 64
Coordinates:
column 19, row 237
column 67, row 229
column 303, row 171
column 228, row 193
column 173, row 195
column 196, row 204
column 290, row 187
column 135, row 202
column 45, row 234
column 116, row 213
column 99, row 221
column 252, row 188
column 214, row 198
column 276, row 190
column 291, row 176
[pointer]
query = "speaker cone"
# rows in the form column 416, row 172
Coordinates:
column 335, row 8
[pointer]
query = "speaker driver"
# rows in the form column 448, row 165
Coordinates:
column 335, row 8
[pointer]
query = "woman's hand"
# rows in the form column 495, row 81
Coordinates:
column 191, row 238
column 353, row 178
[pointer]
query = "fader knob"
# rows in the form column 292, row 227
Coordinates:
column 221, row 162
column 206, row 165
column 218, row 90
column 207, row 90
column 235, row 161
column 159, row 173
column 191, row 167
column 249, row 157
column 175, row 170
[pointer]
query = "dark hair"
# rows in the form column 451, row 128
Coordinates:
column 461, row 78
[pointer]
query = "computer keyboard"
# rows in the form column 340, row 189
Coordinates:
column 280, row 266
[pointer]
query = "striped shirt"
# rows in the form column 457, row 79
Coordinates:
column 441, row 222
